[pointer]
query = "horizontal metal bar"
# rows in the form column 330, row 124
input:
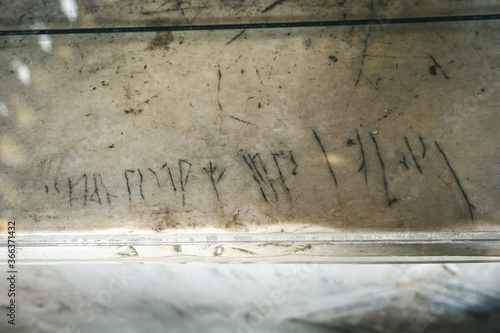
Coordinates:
column 242, row 26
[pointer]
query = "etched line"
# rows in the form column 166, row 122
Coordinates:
column 413, row 155
column 469, row 204
column 220, row 176
column 156, row 176
column 424, row 147
column 184, row 180
column 258, row 75
column 405, row 164
column 236, row 37
column 271, row 6
column 172, row 180
column 254, row 176
column 294, row 171
column 432, row 69
column 86, row 191
column 262, row 163
column 211, row 171
column 179, row 6
column 170, row 175
column 71, row 185
column 261, row 189
column 128, row 184
column 277, row 164
column 140, row 184
column 220, row 77
column 96, row 192
column 108, row 195
column 326, row 157
column 252, row 159
column 363, row 165
column 390, row 201
column 267, row 176
column 281, row 176
column 56, row 186
column 243, row 121
column 363, row 58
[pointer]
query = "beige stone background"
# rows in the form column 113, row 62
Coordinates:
column 95, row 113
column 90, row 120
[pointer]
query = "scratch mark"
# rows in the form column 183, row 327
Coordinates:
column 236, row 37
column 220, row 176
column 156, row 176
column 281, row 176
column 294, row 171
column 363, row 58
column 173, row 10
column 469, row 204
column 412, row 155
column 170, row 175
column 404, row 162
column 96, row 192
column 180, row 7
column 243, row 121
column 424, row 148
column 184, row 181
column 271, row 6
column 72, row 185
column 265, row 172
column 128, row 184
column 211, row 171
column 390, row 201
column 86, row 191
column 258, row 74
column 108, row 195
column 254, row 177
column 220, row 76
column 363, row 165
column 326, row 157
column 140, row 184
column 218, row 86
column 432, row 69
column 434, row 61
column 252, row 159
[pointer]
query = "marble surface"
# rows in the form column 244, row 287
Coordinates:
column 376, row 128
column 258, row 298
column 251, row 146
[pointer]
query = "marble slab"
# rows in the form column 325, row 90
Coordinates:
column 341, row 129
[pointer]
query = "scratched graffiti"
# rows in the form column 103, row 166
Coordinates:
column 271, row 173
